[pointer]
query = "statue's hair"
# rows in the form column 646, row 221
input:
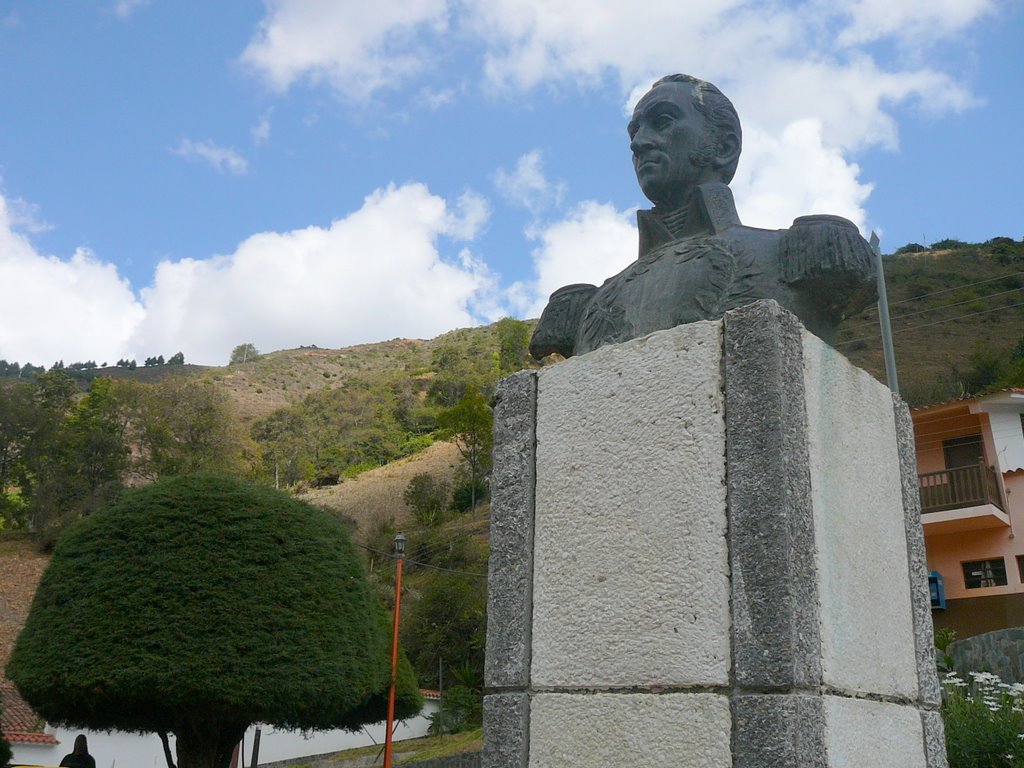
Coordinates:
column 720, row 115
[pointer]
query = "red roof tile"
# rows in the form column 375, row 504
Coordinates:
column 18, row 723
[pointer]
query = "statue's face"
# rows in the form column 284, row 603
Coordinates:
column 670, row 141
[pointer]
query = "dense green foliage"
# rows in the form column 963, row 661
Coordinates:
column 513, row 344
column 244, row 353
column 334, row 429
column 470, row 423
column 181, row 425
column 984, row 722
column 17, row 371
column 428, row 498
column 199, row 605
column 64, row 454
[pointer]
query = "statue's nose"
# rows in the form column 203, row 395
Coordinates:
column 641, row 140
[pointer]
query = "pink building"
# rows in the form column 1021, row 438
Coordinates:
column 970, row 459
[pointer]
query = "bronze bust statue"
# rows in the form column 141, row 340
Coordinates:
column 696, row 259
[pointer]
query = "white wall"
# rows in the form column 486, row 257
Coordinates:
column 129, row 750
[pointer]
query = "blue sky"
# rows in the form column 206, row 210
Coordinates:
column 187, row 176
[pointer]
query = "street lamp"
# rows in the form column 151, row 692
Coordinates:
column 399, row 557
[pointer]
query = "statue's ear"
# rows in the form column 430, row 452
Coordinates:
column 728, row 150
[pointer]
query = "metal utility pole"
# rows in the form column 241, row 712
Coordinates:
column 399, row 557
column 883, row 320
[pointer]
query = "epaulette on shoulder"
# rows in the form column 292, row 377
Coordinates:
column 821, row 244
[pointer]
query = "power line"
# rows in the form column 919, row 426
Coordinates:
column 944, row 306
column 870, row 309
column 958, row 287
column 937, row 322
column 393, row 556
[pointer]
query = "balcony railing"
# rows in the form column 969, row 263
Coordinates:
column 960, row 487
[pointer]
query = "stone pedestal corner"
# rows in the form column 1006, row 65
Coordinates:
column 706, row 550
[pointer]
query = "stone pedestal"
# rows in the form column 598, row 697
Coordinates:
column 706, row 552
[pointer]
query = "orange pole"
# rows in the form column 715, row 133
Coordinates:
column 394, row 665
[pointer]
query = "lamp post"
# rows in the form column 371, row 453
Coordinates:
column 399, row 556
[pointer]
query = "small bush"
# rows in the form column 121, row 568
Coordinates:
column 354, row 470
column 910, row 248
column 984, row 722
column 949, row 244
column 462, row 497
column 427, row 497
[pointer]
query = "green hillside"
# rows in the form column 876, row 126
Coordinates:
column 365, row 431
column 957, row 314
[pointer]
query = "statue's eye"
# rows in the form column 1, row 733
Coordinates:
column 662, row 121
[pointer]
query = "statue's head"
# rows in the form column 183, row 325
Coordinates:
column 684, row 132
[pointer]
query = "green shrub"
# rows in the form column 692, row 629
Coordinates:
column 466, row 493
column 984, row 722
column 201, row 604
column 354, row 470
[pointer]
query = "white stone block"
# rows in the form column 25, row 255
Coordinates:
column 867, row 633
column 684, row 730
column 630, row 563
column 873, row 734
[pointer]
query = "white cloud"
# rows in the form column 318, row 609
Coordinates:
column 912, row 21
column 795, row 174
column 72, row 310
column 220, row 158
column 375, row 274
column 125, row 8
column 786, row 66
column 469, row 217
column 25, row 216
column 354, row 47
column 434, row 99
column 527, row 185
column 261, row 131
column 592, row 243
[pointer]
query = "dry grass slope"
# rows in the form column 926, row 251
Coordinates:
column 376, row 495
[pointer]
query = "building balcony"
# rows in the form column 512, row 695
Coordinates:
column 962, row 499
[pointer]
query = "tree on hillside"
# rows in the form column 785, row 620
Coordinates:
column 76, row 460
column 281, row 447
column 63, row 457
column 513, row 344
column 181, row 425
column 470, row 422
column 244, row 353
column 19, row 415
column 460, row 365
column 428, row 497
column 200, row 605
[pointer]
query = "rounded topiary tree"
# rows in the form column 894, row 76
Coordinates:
column 200, row 605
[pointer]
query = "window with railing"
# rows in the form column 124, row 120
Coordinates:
column 985, row 573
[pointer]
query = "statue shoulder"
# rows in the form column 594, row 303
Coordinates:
column 560, row 322
column 822, row 244
column 830, row 265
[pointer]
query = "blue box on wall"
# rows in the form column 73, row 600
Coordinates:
column 936, row 590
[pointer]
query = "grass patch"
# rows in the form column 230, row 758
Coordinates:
column 415, row 750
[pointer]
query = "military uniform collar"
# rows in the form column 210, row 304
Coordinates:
column 711, row 210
